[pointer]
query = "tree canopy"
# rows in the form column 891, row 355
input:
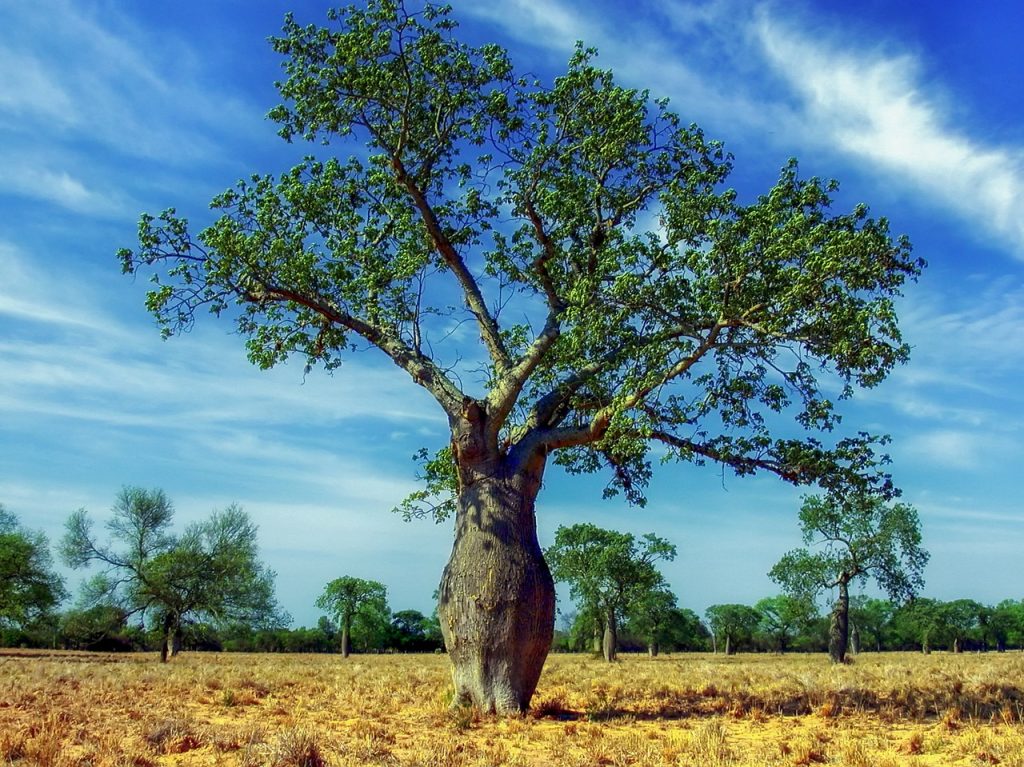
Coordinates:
column 621, row 293
column 29, row 587
column 210, row 572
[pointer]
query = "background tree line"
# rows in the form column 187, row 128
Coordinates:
column 206, row 589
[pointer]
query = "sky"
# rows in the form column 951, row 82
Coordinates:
column 109, row 109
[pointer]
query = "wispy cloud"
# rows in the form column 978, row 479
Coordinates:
column 876, row 106
column 72, row 74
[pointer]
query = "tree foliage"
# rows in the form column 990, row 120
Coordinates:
column 854, row 539
column 783, row 617
column 732, row 625
column 211, row 572
column 29, row 587
column 622, row 294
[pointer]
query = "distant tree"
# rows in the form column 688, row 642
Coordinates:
column 920, row 623
column 211, row 572
column 623, row 299
column 871, row 617
column 347, row 598
column 685, row 631
column 650, row 615
column 855, row 537
column 608, row 571
column 99, row 627
column 1005, row 624
column 29, row 587
column 783, row 617
column 732, row 625
column 962, row 621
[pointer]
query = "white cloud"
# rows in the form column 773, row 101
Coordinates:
column 877, row 107
column 59, row 187
column 955, row 449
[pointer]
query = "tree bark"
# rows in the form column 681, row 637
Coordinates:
column 653, row 649
column 497, row 597
column 610, row 645
column 728, row 645
column 839, row 627
column 169, row 643
column 346, row 640
column 854, row 639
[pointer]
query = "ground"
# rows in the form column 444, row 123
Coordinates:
column 211, row 710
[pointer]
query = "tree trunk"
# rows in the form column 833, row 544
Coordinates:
column 497, row 597
column 169, row 642
column 653, row 649
column 346, row 639
column 839, row 627
column 854, row 639
column 728, row 644
column 958, row 646
column 610, row 645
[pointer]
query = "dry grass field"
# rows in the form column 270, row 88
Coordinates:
column 85, row 710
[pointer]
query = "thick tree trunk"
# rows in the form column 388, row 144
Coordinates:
column 854, row 639
column 346, row 639
column 610, row 645
column 728, row 645
column 497, row 597
column 652, row 648
column 839, row 628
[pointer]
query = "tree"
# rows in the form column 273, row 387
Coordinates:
column 1005, row 624
column 859, row 536
column 872, row 617
column 732, row 624
column 462, row 192
column 962, row 619
column 211, row 572
column 608, row 572
column 29, row 588
column 684, row 631
column 650, row 616
column 920, row 623
column 347, row 599
column 783, row 617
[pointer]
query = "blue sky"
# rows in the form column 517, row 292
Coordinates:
column 110, row 109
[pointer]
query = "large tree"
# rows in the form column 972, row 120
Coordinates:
column 348, row 598
column 853, row 538
column 210, row 572
column 29, row 587
column 608, row 572
column 623, row 298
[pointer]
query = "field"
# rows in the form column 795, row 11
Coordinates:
column 886, row 710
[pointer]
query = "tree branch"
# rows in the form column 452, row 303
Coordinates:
column 422, row 369
column 489, row 330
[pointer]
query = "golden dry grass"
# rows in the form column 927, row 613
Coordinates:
column 82, row 710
